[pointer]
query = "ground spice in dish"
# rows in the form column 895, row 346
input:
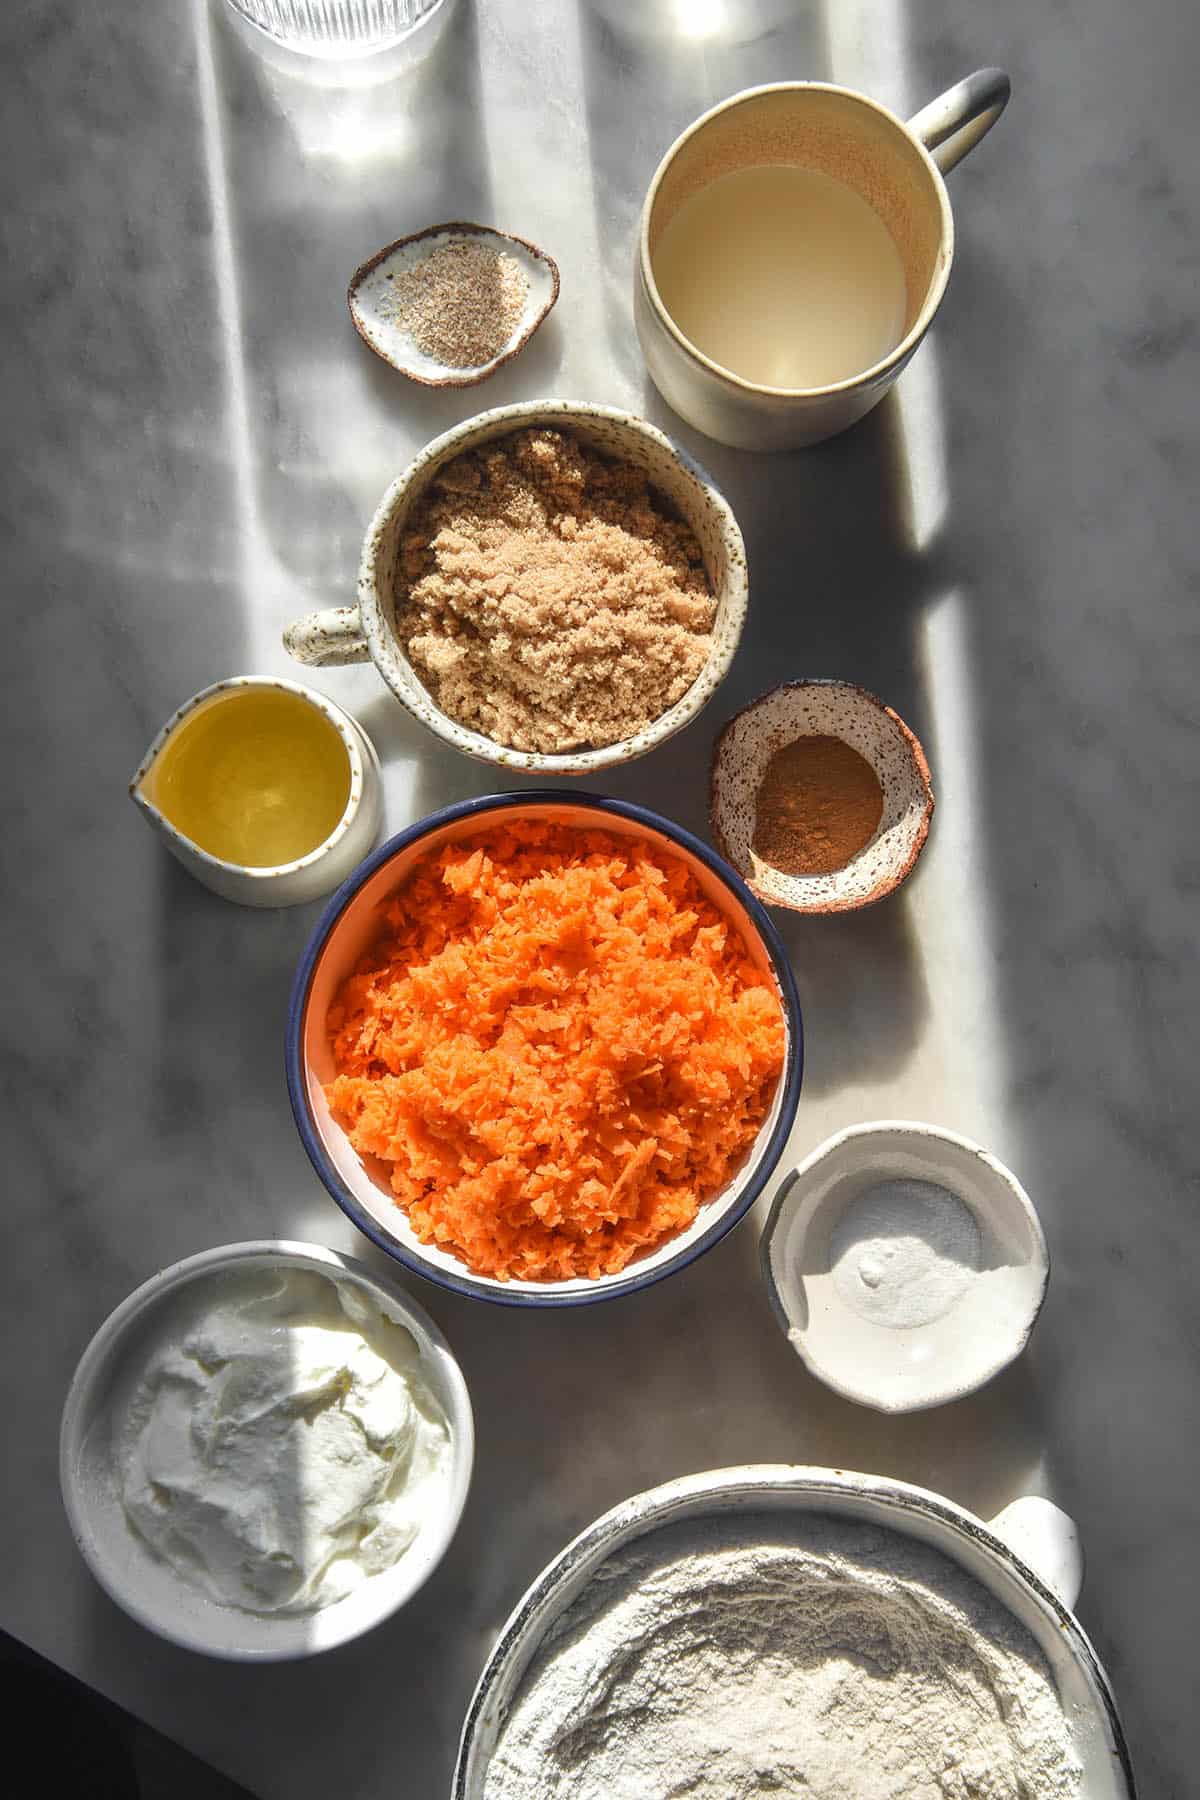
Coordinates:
column 560, row 1048
column 819, row 803
column 547, row 598
column 461, row 303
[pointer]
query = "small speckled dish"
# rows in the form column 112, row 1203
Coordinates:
column 824, row 708
column 366, row 632
column 845, row 1253
column 371, row 290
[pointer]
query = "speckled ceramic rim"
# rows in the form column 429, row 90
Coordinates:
column 917, row 1133
column 510, row 1294
column 461, row 228
column 920, row 763
column 561, row 415
column 105, row 1347
column 751, row 1485
column 354, row 741
column 933, row 295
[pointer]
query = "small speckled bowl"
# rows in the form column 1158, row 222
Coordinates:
column 821, row 709
column 371, row 301
column 366, row 632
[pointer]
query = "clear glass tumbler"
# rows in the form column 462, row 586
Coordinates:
column 339, row 29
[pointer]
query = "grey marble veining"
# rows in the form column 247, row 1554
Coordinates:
column 1005, row 551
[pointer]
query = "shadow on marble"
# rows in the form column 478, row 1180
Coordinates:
column 316, row 181
column 863, row 973
column 223, row 982
column 649, row 70
column 1082, row 648
column 379, row 1700
column 534, row 371
column 837, row 588
column 688, row 1376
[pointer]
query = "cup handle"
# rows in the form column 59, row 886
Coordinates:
column 954, row 123
column 1047, row 1539
column 324, row 640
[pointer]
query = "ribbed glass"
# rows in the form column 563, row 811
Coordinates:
column 335, row 27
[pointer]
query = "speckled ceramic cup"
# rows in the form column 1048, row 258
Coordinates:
column 366, row 632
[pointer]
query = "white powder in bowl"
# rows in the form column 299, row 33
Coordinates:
column 904, row 1252
column 732, row 1660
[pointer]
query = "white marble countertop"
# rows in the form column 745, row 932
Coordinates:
column 1006, row 552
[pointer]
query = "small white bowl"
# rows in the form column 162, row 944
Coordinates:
column 286, row 884
column 822, row 708
column 367, row 634
column 835, row 1249
column 146, row 1587
column 371, row 301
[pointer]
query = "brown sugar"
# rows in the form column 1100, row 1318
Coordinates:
column 547, row 598
column 819, row 803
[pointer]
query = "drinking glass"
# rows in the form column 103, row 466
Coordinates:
column 336, row 28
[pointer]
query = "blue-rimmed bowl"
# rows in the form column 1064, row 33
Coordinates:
column 353, row 921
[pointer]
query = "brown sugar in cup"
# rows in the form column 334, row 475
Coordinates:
column 548, row 598
column 821, row 708
column 343, row 635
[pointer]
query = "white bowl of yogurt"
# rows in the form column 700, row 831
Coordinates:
column 265, row 1451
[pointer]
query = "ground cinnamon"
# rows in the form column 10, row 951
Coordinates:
column 818, row 804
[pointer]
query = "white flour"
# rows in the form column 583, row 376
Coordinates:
column 830, row 1661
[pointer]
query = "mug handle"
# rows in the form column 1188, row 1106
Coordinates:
column 953, row 124
column 325, row 640
column 1047, row 1540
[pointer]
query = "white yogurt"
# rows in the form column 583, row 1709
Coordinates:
column 278, row 1445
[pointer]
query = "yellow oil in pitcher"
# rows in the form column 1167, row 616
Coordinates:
column 258, row 777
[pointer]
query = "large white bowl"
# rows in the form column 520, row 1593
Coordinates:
column 999, row 1557
column 146, row 1587
column 351, row 923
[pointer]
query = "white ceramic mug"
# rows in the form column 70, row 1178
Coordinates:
column 896, row 167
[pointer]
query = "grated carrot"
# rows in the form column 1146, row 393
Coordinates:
column 559, row 1046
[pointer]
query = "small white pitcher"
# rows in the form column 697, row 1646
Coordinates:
column 287, row 884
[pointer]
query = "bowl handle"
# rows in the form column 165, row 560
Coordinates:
column 1047, row 1539
column 324, row 640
